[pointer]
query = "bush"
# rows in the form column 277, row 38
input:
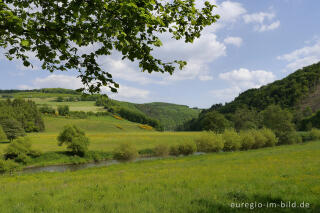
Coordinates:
column 210, row 142
column 315, row 134
column 271, row 139
column 19, row 150
column 259, row 139
column 75, row 139
column 187, row 148
column 290, row 138
column 125, row 152
column 306, row 136
column 12, row 128
column 63, row 110
column 8, row 166
column 247, row 140
column 161, row 150
column 174, row 150
column 232, row 140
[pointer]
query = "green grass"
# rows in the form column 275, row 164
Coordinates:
column 86, row 106
column 205, row 184
column 105, row 133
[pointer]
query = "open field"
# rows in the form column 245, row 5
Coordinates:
column 208, row 183
column 105, row 133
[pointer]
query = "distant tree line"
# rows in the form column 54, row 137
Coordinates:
column 19, row 116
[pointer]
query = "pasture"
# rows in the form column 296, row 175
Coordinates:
column 208, row 183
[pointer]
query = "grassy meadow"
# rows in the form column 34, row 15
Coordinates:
column 207, row 183
column 105, row 133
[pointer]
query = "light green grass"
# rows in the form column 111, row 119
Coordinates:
column 190, row 184
column 86, row 106
column 105, row 133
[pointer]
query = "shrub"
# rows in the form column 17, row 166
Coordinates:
column 232, row 140
column 271, row 139
column 247, row 140
column 315, row 134
column 306, row 136
column 259, row 139
column 174, row 150
column 63, row 110
column 161, row 150
column 75, row 139
column 19, row 150
column 210, row 142
column 8, row 166
column 125, row 152
column 290, row 138
column 187, row 148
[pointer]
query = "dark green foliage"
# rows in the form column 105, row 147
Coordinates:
column 232, row 140
column 161, row 150
column 75, row 139
column 280, row 122
column 214, row 121
column 3, row 136
column 12, row 128
column 63, row 110
column 20, row 150
column 25, row 112
column 171, row 116
column 245, row 118
column 125, row 152
column 210, row 142
column 137, row 117
column 46, row 109
column 311, row 121
column 131, row 27
column 286, row 92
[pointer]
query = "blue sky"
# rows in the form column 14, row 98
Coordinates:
column 254, row 43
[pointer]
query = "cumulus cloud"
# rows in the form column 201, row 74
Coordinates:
column 302, row 57
column 260, row 19
column 241, row 80
column 236, row 41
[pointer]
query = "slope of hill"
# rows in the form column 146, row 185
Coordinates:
column 169, row 115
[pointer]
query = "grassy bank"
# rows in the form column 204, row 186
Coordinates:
column 207, row 183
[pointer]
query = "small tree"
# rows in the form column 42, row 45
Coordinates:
column 214, row 121
column 19, row 150
column 75, row 139
column 63, row 110
column 12, row 128
column 3, row 136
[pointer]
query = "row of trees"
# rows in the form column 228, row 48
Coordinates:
column 273, row 117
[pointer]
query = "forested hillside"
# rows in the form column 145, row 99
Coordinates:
column 288, row 92
column 298, row 95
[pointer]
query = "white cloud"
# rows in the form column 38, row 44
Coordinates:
column 269, row 27
column 260, row 20
column 241, row 80
column 236, row 41
column 126, row 93
column 246, row 79
column 258, row 17
column 57, row 80
column 302, row 57
column 230, row 11
column 226, row 95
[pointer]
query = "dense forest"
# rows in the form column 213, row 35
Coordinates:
column 248, row 109
column 19, row 116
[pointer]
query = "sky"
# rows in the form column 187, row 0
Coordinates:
column 254, row 43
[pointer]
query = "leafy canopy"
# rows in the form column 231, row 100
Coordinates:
column 56, row 30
